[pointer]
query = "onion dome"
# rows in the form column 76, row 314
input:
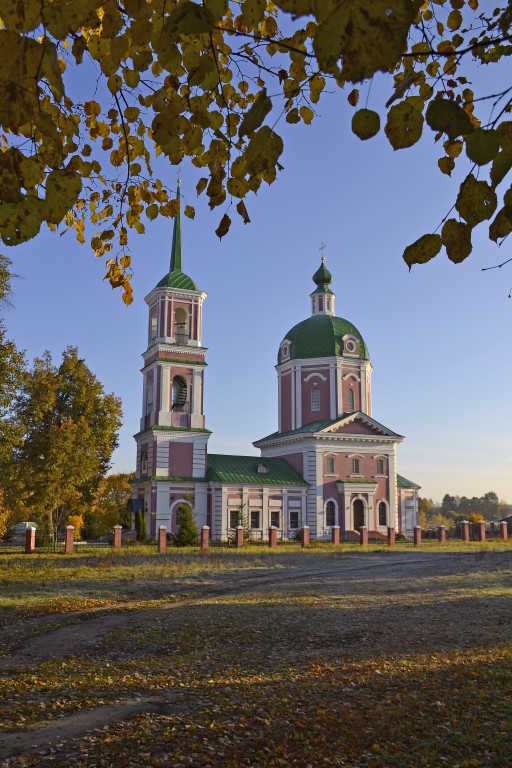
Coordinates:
column 322, row 278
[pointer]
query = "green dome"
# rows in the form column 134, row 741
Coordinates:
column 322, row 336
column 322, row 278
column 177, row 279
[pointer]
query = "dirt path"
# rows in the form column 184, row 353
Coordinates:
column 82, row 631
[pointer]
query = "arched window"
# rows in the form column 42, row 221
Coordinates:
column 330, row 514
column 179, row 394
column 181, row 331
column 149, row 393
column 153, row 323
column 350, row 401
column 383, row 513
column 144, row 463
column 315, row 399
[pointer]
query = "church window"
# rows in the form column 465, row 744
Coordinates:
column 350, row 401
column 154, row 322
column 328, row 301
column 350, row 346
column 181, row 333
column 179, row 394
column 294, row 519
column 315, row 399
column 255, row 518
column 234, row 518
column 329, row 466
column 330, row 514
column 380, row 467
column 275, row 518
column 320, row 304
column 355, row 466
column 149, row 393
column 144, row 463
column 383, row 513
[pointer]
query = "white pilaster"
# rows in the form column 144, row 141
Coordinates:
column 298, row 396
column 332, row 389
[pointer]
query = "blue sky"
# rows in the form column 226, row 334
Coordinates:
column 438, row 336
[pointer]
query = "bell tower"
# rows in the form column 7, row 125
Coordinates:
column 172, row 441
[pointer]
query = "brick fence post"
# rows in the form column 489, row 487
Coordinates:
column 335, row 535
column 504, row 529
column 417, row 535
column 30, row 540
column 239, row 536
column 481, row 530
column 205, row 538
column 464, row 530
column 70, row 536
column 363, row 535
column 118, row 530
column 272, row 537
column 441, row 534
column 304, row 536
column 391, row 536
column 162, row 538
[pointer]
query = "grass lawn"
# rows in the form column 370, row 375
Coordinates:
column 350, row 657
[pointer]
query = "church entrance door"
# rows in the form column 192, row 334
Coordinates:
column 358, row 508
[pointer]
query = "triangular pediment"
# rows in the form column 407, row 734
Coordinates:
column 359, row 424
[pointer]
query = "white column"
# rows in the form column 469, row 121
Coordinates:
column 162, row 506
column 200, row 504
column 393, row 505
column 279, row 417
column 292, row 389
column 339, row 388
column 165, row 392
column 298, row 396
column 196, row 419
column 332, row 389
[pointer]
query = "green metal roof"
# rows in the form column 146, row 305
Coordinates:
column 177, row 279
column 321, row 336
column 402, row 482
column 243, row 470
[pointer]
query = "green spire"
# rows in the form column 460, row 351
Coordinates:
column 176, row 238
column 176, row 277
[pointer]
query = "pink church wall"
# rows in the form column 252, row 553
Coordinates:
column 180, row 459
column 286, row 402
column 296, row 461
column 330, row 489
column 325, row 406
column 357, row 428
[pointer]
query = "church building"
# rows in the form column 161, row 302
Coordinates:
column 330, row 463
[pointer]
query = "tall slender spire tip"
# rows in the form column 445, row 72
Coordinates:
column 176, row 265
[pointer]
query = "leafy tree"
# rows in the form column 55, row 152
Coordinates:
column 424, row 511
column 210, row 81
column 111, row 498
column 449, row 504
column 140, row 526
column 12, row 373
column 69, row 427
column 187, row 535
